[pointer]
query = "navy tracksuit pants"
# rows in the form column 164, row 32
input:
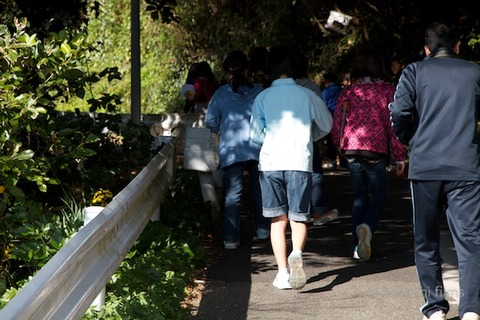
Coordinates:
column 462, row 199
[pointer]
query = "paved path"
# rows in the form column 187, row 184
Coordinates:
column 239, row 284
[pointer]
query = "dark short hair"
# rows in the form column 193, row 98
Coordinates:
column 258, row 58
column 281, row 61
column 441, row 34
column 235, row 64
column 205, row 70
column 330, row 76
column 368, row 62
column 301, row 65
column 236, row 61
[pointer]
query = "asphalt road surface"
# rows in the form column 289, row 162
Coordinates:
column 239, row 283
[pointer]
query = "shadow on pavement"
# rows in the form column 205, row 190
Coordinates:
column 328, row 262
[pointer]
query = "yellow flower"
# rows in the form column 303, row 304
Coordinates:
column 102, row 198
column 6, row 253
column 2, row 189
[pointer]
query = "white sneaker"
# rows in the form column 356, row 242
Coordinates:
column 355, row 253
column 326, row 217
column 298, row 279
column 439, row 315
column 471, row 316
column 364, row 238
column 281, row 281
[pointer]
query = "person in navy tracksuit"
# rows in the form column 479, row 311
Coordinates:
column 436, row 112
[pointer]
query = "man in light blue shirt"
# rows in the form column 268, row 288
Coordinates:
column 286, row 119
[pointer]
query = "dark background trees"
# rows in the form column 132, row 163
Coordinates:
column 178, row 33
column 396, row 27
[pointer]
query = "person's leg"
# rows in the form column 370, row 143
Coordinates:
column 299, row 191
column 299, row 235
column 360, row 194
column 463, row 216
column 279, row 246
column 318, row 204
column 377, row 185
column 233, row 186
column 376, row 176
column 299, row 195
column 278, row 239
column 275, row 207
column 331, row 149
column 298, row 278
column 427, row 207
column 259, row 221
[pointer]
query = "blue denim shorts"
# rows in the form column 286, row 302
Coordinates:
column 286, row 192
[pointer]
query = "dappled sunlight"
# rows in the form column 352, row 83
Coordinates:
column 288, row 120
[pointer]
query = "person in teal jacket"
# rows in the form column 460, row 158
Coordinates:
column 228, row 115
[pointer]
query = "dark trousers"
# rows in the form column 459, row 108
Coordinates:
column 233, row 183
column 369, row 182
column 462, row 199
column 318, row 205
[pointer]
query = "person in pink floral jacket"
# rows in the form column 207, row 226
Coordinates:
column 363, row 133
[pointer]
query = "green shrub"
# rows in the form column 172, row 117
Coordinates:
column 152, row 282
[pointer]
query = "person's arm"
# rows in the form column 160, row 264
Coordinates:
column 402, row 109
column 336, row 133
column 399, row 152
column 212, row 117
column 322, row 119
column 257, row 123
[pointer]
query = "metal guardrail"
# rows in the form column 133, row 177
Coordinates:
column 66, row 286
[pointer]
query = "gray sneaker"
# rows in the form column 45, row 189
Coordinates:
column 364, row 241
column 326, row 217
column 298, row 279
column 471, row 316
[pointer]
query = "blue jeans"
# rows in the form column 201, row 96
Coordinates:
column 233, row 186
column 369, row 181
column 286, row 192
column 319, row 196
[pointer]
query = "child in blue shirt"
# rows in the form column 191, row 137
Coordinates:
column 228, row 115
column 286, row 119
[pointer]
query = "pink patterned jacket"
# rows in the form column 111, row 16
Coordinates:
column 367, row 125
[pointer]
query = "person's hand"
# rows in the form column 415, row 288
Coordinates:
column 399, row 167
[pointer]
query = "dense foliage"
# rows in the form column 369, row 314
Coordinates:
column 161, row 72
column 208, row 29
column 45, row 156
column 51, row 165
column 152, row 281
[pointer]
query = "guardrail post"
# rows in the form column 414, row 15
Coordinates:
column 90, row 213
column 209, row 193
column 162, row 132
